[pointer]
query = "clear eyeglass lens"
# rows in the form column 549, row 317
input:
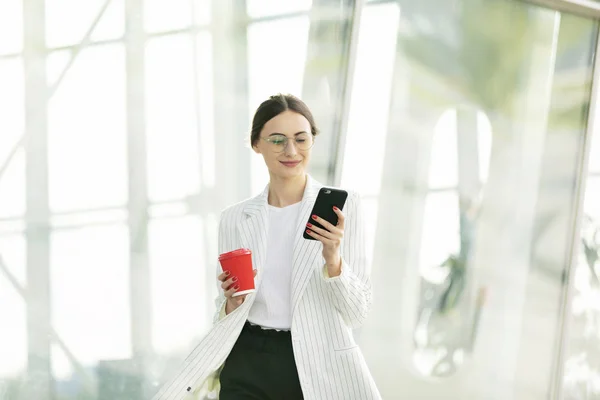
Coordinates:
column 302, row 142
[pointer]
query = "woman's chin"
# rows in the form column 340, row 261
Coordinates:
column 286, row 172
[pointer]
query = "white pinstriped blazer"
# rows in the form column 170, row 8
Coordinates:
column 324, row 310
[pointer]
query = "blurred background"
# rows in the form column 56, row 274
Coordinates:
column 468, row 126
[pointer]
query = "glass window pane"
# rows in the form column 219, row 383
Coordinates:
column 173, row 168
column 202, row 12
column 581, row 379
column 11, row 26
column 12, row 188
column 67, row 21
column 591, row 205
column 12, row 119
column 112, row 23
column 444, row 158
column 206, row 110
column 264, row 8
column 62, row 368
column 372, row 84
column 594, row 166
column 177, row 268
column 582, row 368
column 505, row 289
column 86, row 133
column 370, row 207
column 266, row 77
column 443, row 167
column 12, row 104
column 89, row 273
column 484, row 142
column 285, row 75
column 56, row 62
column 12, row 226
column 12, row 251
column 13, row 329
column 440, row 234
column 83, row 218
column 167, row 15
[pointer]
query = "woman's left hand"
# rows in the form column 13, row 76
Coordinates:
column 331, row 237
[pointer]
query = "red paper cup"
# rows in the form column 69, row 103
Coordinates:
column 239, row 264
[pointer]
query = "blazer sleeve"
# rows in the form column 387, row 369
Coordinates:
column 220, row 300
column 351, row 291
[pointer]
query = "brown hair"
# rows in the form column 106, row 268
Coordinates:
column 274, row 106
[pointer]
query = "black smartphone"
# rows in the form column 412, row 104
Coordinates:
column 326, row 200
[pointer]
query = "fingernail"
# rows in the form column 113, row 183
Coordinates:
column 314, row 217
column 335, row 208
column 307, row 231
column 236, row 287
column 234, row 279
column 227, row 273
column 309, row 225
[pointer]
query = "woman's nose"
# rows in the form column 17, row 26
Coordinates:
column 290, row 148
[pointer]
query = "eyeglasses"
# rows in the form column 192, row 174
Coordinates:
column 278, row 143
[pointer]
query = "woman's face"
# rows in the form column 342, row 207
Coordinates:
column 287, row 147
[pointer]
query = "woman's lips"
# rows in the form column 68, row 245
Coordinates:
column 290, row 164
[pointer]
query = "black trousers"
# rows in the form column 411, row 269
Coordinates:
column 261, row 366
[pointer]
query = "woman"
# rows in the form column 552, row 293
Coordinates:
column 292, row 337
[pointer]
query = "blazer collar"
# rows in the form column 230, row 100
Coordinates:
column 257, row 205
column 253, row 230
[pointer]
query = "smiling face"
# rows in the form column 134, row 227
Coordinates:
column 285, row 143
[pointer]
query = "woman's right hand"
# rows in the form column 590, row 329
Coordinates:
column 230, row 286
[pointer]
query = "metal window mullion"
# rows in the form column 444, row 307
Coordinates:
column 140, row 290
column 196, row 88
column 37, row 203
column 337, row 156
column 231, row 98
column 230, row 79
column 582, row 8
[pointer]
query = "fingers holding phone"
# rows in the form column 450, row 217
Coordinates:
column 326, row 224
column 330, row 235
column 328, row 231
column 326, row 212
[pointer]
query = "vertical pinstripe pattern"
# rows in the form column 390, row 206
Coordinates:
column 324, row 310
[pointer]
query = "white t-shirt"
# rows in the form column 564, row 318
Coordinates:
column 272, row 305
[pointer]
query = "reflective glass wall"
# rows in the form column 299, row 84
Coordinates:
column 123, row 134
column 477, row 116
column 582, row 350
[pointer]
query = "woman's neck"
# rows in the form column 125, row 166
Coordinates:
column 285, row 192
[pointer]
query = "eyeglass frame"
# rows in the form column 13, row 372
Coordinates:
column 287, row 140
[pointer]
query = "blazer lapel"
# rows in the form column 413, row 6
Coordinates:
column 253, row 235
column 305, row 252
column 253, row 230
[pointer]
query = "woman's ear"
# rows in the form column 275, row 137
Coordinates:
column 256, row 149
